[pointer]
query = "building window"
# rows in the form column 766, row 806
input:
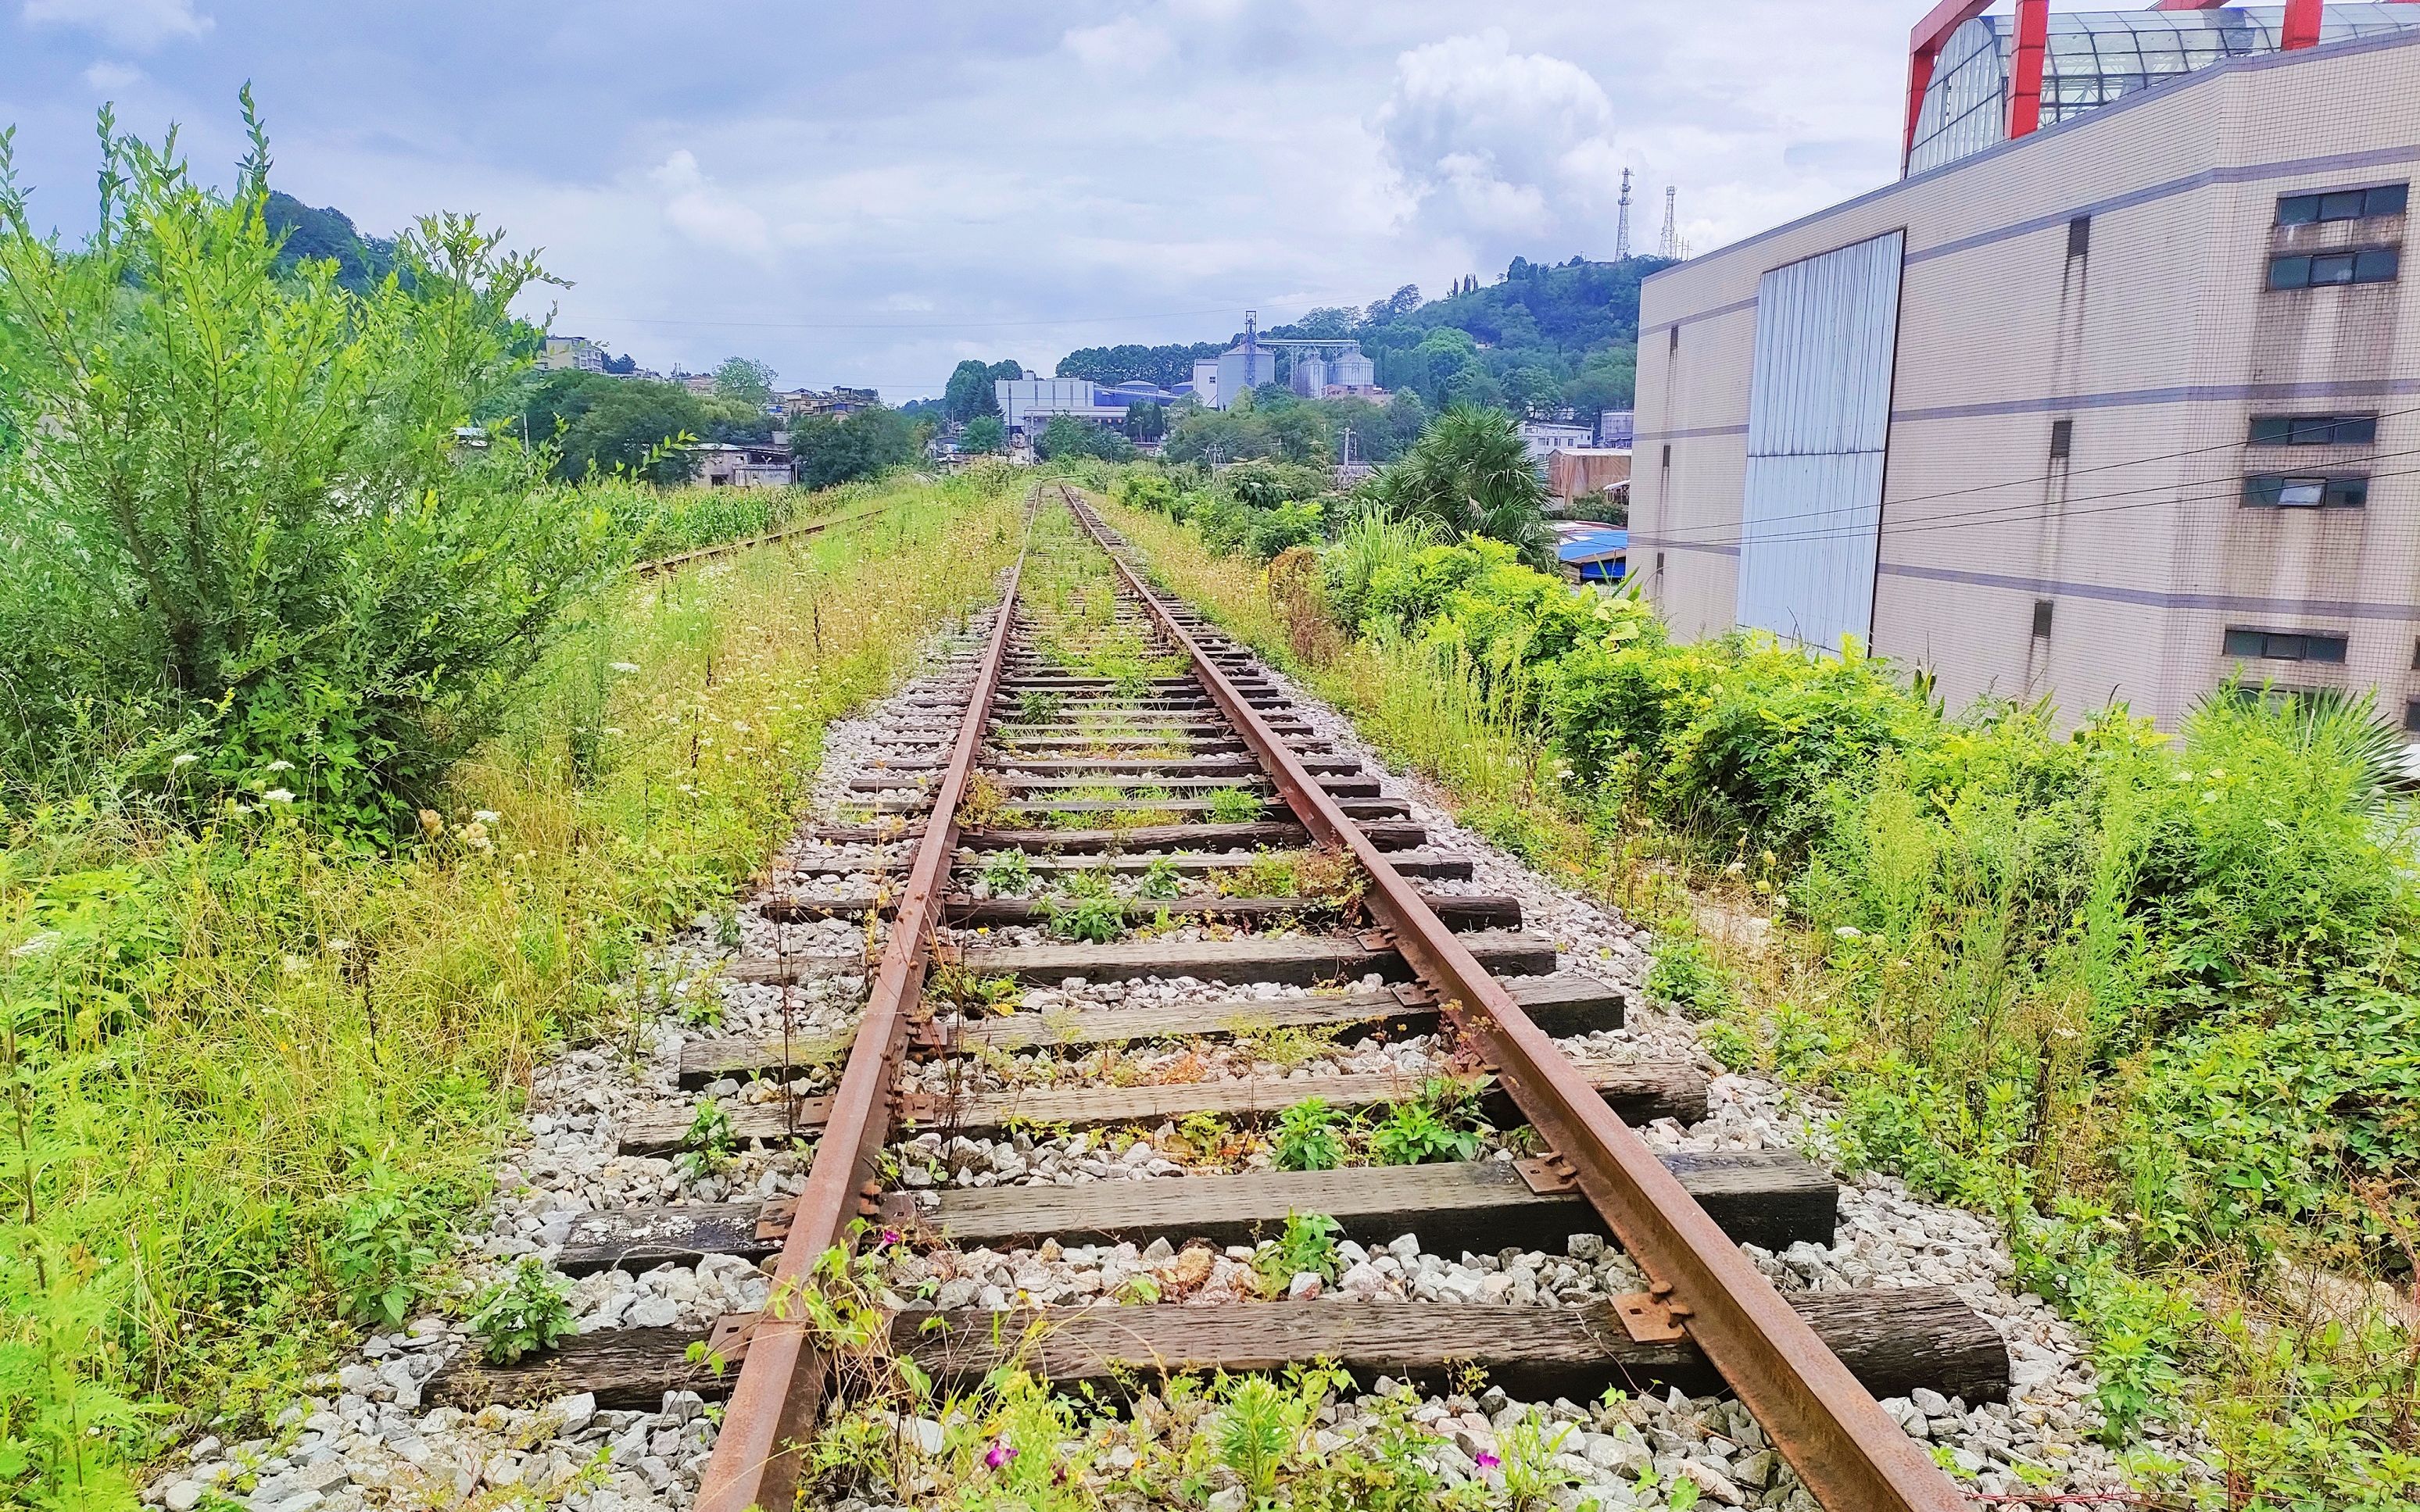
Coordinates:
column 2062, row 439
column 2079, row 236
column 2284, row 645
column 2274, row 491
column 2411, row 714
column 2314, row 430
column 2322, row 269
column 1673, row 343
column 2041, row 617
column 1667, row 453
column 2341, row 205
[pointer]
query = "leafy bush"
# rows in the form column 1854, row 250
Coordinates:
column 1310, row 1136
column 246, row 530
column 1307, row 1245
column 1441, row 1123
column 526, row 1314
column 389, row 1234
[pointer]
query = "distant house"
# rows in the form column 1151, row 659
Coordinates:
column 726, row 465
column 576, row 353
column 1540, row 437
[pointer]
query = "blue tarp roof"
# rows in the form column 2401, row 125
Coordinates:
column 1587, row 546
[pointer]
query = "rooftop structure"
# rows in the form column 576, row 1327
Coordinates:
column 1977, row 80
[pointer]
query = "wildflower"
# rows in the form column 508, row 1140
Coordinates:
column 184, row 758
column 487, row 816
column 625, row 667
column 474, row 835
column 1850, row 932
column 432, row 823
column 1000, row 1453
column 891, row 1236
column 339, row 947
column 293, row 963
column 1486, row 1460
column 281, row 764
column 1734, row 869
column 278, row 795
column 38, row 943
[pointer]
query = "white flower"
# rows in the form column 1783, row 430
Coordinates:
column 278, row 795
column 625, row 666
column 1850, row 932
column 184, row 758
column 38, row 943
column 487, row 816
column 281, row 764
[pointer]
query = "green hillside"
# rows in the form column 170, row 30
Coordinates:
column 1542, row 337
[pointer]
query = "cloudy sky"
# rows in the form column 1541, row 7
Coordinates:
column 866, row 193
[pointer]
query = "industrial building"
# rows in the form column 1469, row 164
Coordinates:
column 2105, row 399
column 1027, row 404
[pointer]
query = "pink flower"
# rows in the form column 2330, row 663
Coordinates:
column 891, row 1236
column 1485, row 1459
column 999, row 1454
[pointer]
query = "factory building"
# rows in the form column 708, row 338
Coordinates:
column 2105, row 399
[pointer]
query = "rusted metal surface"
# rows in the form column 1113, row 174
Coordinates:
column 1851, row 1457
column 775, row 1403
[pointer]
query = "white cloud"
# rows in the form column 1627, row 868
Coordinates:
column 141, row 24
column 1125, row 44
column 707, row 215
column 105, row 76
column 1501, row 148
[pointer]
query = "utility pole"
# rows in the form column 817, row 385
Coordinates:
column 1621, row 226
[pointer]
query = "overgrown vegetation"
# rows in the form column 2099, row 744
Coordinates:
column 344, row 772
column 2148, row 1001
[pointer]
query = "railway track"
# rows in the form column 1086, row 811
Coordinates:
column 1123, row 906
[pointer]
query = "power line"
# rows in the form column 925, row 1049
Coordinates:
column 2012, row 514
column 931, row 325
column 2284, row 470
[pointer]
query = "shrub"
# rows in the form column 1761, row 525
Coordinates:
column 526, row 1314
column 246, row 528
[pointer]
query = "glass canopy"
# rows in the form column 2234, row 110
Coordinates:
column 2094, row 58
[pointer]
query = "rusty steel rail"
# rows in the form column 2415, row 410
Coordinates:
column 779, row 1392
column 1849, row 1454
column 814, row 527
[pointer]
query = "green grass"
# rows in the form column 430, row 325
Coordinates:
column 254, row 1082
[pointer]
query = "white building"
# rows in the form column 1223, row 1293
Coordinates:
column 1540, row 437
column 573, row 352
column 1205, row 381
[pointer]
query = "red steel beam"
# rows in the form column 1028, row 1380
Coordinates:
column 775, row 1402
column 1924, row 49
column 2025, row 67
column 1851, row 1456
column 2301, row 27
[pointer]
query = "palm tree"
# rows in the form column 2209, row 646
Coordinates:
column 1470, row 475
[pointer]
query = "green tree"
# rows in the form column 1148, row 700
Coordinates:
column 1066, row 436
column 970, row 393
column 1146, row 421
column 247, row 533
column 834, row 450
column 632, row 426
column 1469, row 473
column 314, row 234
column 744, row 380
column 985, row 433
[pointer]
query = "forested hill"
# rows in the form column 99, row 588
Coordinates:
column 361, row 261
column 1544, row 335
column 1164, row 365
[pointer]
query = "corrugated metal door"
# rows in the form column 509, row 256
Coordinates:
column 1817, row 421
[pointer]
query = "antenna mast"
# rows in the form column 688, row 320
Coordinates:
column 1621, row 226
column 1670, row 245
